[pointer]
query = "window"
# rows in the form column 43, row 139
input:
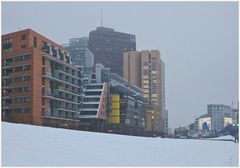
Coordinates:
column 27, row 57
column 18, row 90
column 21, row 110
column 18, row 58
column 88, row 112
column 18, row 69
column 6, row 82
column 45, row 47
column 67, row 59
column 7, row 44
column 35, row 42
column 27, row 67
column 18, row 79
column 23, row 37
column 22, row 89
column 145, row 72
column 26, row 78
column 61, row 54
column 7, row 61
column 23, row 46
column 54, row 51
column 22, row 78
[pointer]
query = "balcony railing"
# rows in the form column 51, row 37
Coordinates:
column 58, row 78
column 60, row 98
column 66, row 73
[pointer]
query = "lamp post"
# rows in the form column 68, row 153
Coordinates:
column 152, row 123
column 136, row 123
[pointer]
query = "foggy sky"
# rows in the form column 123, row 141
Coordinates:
column 198, row 42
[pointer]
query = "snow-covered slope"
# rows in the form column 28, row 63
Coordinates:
column 25, row 145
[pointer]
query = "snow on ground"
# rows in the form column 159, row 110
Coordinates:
column 26, row 145
column 226, row 137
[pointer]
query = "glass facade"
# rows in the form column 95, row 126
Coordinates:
column 108, row 46
column 81, row 56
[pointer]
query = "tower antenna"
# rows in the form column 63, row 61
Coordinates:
column 101, row 17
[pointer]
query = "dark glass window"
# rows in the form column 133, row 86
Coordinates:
column 35, row 42
column 23, row 46
column 18, row 69
column 54, row 51
column 27, row 78
column 45, row 47
column 60, row 54
column 89, row 113
column 18, row 58
column 23, row 37
column 67, row 59
column 18, row 79
column 7, row 44
column 27, row 57
column 7, row 61
column 27, row 67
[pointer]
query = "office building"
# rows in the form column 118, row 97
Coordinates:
column 40, row 85
column 146, row 69
column 220, row 115
column 81, row 56
column 108, row 46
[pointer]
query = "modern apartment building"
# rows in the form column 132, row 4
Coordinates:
column 40, row 85
column 94, row 101
column 221, row 115
column 146, row 69
column 127, row 105
column 108, row 46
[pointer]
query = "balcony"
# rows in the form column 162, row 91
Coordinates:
column 57, row 78
column 60, row 118
column 68, row 110
column 67, row 91
column 59, row 98
column 58, row 60
column 65, row 73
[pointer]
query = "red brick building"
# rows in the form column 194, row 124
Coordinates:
column 40, row 85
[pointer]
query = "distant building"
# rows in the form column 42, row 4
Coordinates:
column 102, row 73
column 220, row 115
column 82, row 57
column 146, row 70
column 204, row 122
column 235, row 116
column 165, row 121
column 108, row 46
column 163, row 100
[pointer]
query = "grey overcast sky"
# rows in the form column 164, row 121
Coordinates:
column 198, row 42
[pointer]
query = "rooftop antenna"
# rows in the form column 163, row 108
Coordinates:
column 101, row 17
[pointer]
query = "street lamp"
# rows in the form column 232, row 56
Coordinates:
column 136, row 122
column 152, row 123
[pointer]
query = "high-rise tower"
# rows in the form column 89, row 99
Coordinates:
column 108, row 47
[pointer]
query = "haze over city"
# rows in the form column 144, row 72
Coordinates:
column 198, row 42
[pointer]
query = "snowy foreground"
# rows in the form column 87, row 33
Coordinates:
column 25, row 145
